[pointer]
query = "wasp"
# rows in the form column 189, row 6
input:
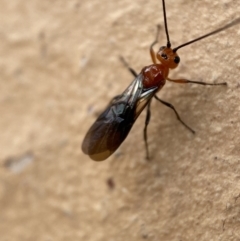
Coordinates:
column 113, row 125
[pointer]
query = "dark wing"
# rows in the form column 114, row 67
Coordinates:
column 108, row 132
column 113, row 125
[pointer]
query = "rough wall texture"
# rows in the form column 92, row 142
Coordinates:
column 59, row 67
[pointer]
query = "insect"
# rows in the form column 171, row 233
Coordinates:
column 113, row 125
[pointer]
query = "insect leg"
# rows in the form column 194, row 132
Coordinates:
column 177, row 115
column 148, row 117
column 185, row 81
column 132, row 71
column 152, row 53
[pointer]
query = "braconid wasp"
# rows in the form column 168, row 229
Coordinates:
column 113, row 125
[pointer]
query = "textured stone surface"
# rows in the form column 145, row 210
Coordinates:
column 59, row 68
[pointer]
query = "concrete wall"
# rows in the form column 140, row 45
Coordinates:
column 59, row 67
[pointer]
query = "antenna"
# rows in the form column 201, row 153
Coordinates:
column 229, row 25
column 165, row 23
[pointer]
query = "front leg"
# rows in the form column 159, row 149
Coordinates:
column 152, row 53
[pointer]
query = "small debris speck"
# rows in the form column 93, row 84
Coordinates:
column 18, row 164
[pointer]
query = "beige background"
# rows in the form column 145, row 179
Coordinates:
column 59, row 68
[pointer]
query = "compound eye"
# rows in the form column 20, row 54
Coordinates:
column 164, row 56
column 176, row 60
